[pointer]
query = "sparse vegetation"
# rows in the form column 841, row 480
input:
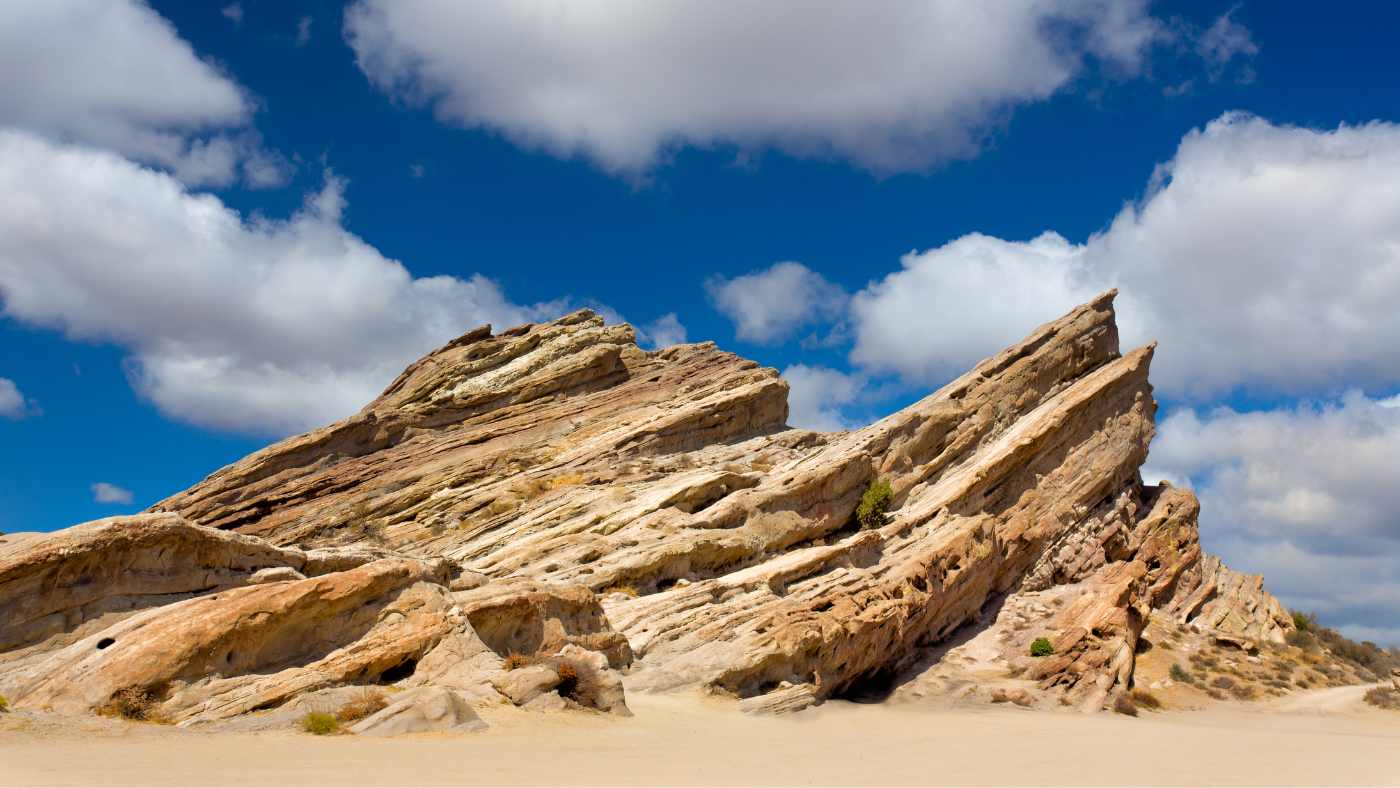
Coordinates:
column 1369, row 659
column 1041, row 647
column 1303, row 621
column 1124, row 705
column 875, row 504
column 1223, row 682
column 626, row 589
column 4, row 704
column 1179, row 674
column 1145, row 699
column 1302, row 639
column 368, row 702
column 1384, row 698
column 516, row 660
column 138, row 704
column 1243, row 692
column 320, row 723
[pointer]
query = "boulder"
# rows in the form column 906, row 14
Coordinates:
column 424, row 710
column 784, row 700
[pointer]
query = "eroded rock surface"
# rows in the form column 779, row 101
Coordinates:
column 553, row 495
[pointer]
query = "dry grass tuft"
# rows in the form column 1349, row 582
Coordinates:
column 568, row 680
column 369, row 702
column 516, row 660
column 1146, row 700
column 1125, row 705
column 138, row 704
column 626, row 589
column 1384, row 698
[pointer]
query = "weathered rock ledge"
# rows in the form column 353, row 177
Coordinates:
column 543, row 515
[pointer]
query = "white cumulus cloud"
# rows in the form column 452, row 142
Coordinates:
column 1306, row 495
column 104, row 492
column 243, row 324
column 662, row 332
column 949, row 307
column 817, row 394
column 13, row 405
column 117, row 75
column 1261, row 256
column 769, row 305
column 889, row 86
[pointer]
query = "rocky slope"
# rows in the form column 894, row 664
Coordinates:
column 548, row 514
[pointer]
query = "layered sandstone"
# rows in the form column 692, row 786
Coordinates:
column 556, row 492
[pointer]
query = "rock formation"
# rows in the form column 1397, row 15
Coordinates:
column 557, row 501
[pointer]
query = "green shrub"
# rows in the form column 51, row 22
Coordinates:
column 1179, row 674
column 1041, row 647
column 874, row 504
column 1303, row 621
column 320, row 723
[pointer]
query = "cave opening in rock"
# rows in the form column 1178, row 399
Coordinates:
column 105, row 642
column 399, row 672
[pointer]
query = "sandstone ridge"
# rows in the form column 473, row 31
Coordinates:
column 550, row 516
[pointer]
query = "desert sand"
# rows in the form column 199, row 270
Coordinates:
column 1324, row 737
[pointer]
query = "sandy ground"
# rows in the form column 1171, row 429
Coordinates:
column 1326, row 737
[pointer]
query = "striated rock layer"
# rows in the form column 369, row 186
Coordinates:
column 556, row 493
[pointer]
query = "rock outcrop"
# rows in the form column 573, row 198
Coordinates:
column 556, row 500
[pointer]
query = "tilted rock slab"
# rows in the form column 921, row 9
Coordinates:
column 721, row 543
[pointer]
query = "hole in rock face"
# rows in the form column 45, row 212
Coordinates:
column 399, row 672
column 875, row 686
column 105, row 642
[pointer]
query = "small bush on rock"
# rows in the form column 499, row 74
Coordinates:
column 369, row 702
column 874, row 504
column 4, row 704
column 1303, row 621
column 516, row 660
column 568, row 680
column 1179, row 674
column 138, row 704
column 1041, row 647
column 320, row 723
column 1125, row 705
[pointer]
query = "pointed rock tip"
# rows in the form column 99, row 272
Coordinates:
column 1105, row 298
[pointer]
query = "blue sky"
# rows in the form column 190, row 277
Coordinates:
column 232, row 221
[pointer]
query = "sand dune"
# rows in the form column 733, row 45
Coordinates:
column 1319, row 738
